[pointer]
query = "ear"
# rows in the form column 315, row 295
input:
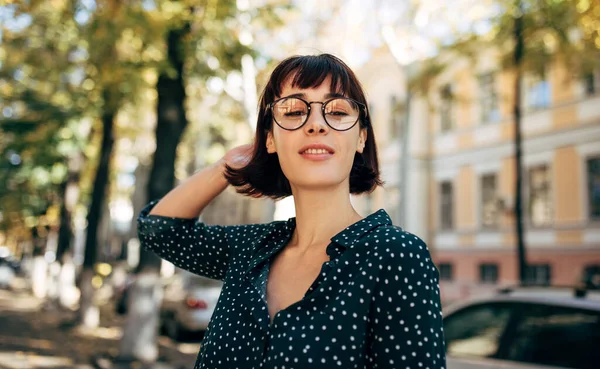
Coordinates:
column 270, row 143
column 362, row 139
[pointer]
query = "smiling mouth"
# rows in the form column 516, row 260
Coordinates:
column 315, row 152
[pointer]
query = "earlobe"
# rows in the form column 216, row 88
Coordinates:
column 361, row 147
column 270, row 144
column 361, row 142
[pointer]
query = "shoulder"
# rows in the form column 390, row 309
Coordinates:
column 251, row 232
column 252, row 237
column 399, row 247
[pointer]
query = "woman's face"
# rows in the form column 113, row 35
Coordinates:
column 328, row 160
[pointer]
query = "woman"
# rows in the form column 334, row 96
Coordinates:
column 327, row 288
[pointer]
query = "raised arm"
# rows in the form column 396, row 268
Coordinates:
column 170, row 227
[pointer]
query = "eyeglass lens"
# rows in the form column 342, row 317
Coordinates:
column 340, row 113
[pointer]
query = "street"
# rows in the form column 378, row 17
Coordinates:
column 33, row 335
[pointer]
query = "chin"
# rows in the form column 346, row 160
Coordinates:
column 315, row 182
column 316, row 177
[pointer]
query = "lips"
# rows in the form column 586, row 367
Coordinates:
column 316, row 152
column 316, row 149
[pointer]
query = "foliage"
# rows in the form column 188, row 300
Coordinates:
column 565, row 30
column 65, row 63
column 40, row 100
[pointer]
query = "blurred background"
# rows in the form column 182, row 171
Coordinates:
column 487, row 116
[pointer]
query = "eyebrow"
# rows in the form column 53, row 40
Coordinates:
column 330, row 95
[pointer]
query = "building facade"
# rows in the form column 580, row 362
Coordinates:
column 460, row 172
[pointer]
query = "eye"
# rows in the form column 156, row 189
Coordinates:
column 297, row 113
column 339, row 113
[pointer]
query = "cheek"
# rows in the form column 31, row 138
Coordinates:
column 280, row 142
column 351, row 144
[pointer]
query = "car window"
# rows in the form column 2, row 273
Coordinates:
column 557, row 336
column 475, row 331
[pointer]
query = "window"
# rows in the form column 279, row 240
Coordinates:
column 446, row 110
column 489, row 201
column 488, row 273
column 536, row 93
column 475, row 331
column 539, row 274
column 446, row 206
column 557, row 337
column 488, row 99
column 540, row 201
column 591, row 276
column 446, row 272
column 593, row 175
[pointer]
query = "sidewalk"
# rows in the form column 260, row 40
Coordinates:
column 34, row 336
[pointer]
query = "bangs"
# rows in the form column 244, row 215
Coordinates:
column 310, row 71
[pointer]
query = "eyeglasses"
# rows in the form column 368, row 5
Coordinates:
column 340, row 113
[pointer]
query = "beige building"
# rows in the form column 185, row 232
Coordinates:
column 459, row 187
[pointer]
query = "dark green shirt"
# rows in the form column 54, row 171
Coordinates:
column 375, row 303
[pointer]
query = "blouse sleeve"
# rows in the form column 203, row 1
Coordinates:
column 405, row 328
column 189, row 244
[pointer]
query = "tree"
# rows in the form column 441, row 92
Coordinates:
column 118, row 55
column 202, row 39
column 43, row 104
column 87, row 60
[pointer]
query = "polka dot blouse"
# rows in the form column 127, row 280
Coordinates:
column 375, row 303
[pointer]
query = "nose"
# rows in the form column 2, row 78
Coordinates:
column 316, row 121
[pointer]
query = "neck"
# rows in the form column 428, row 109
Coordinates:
column 320, row 215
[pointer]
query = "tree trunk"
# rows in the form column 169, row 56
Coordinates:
column 139, row 340
column 519, row 227
column 39, row 266
column 69, row 191
column 69, row 195
column 65, row 231
column 88, row 312
column 171, row 122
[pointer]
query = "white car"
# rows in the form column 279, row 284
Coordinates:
column 525, row 328
column 188, row 305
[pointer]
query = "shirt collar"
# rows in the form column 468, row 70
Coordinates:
column 351, row 234
column 346, row 238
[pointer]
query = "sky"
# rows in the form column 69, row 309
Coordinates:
column 347, row 28
column 351, row 29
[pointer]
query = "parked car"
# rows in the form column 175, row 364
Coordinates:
column 525, row 328
column 188, row 304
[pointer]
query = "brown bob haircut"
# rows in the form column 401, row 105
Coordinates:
column 262, row 176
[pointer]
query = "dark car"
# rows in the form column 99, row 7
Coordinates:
column 525, row 328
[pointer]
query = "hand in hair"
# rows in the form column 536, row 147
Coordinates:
column 239, row 156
